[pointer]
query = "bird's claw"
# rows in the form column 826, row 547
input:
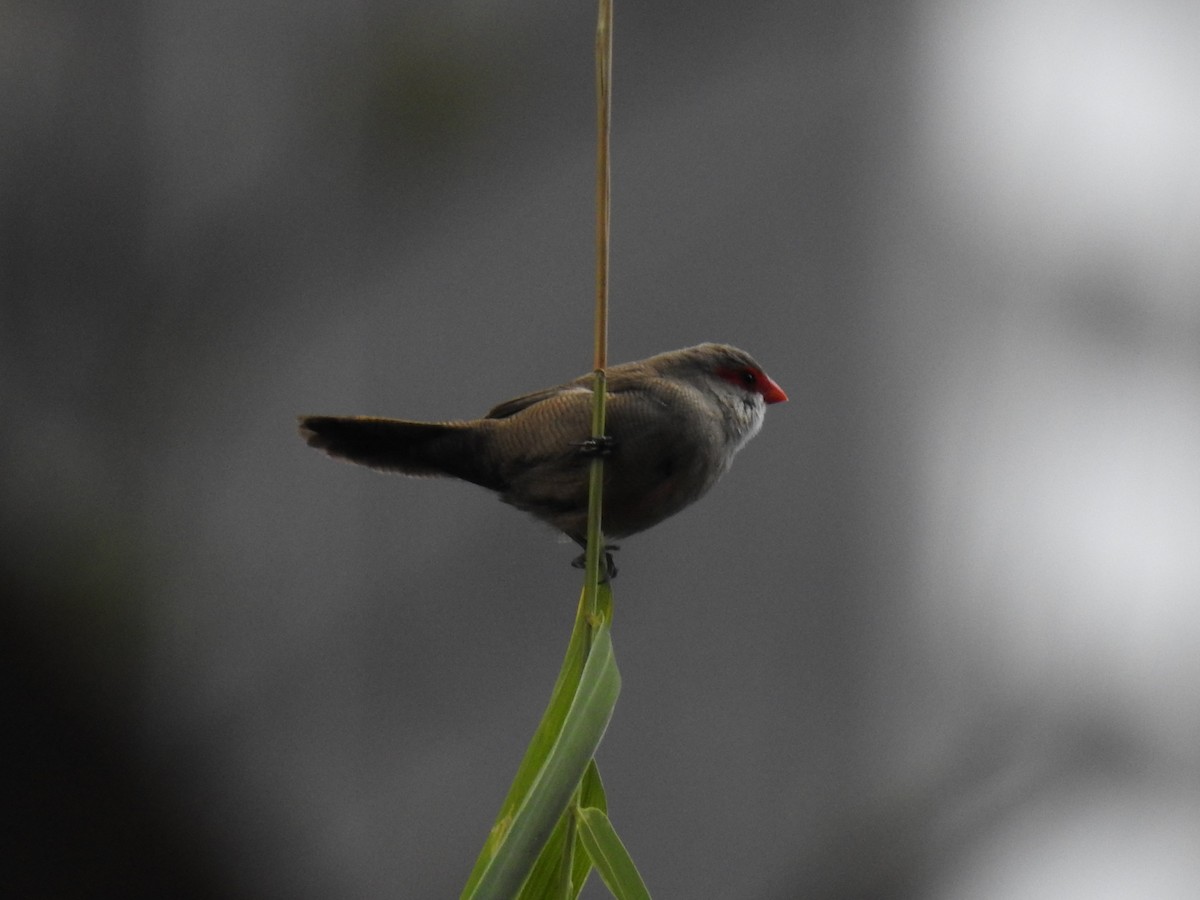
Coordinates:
column 596, row 446
column 609, row 571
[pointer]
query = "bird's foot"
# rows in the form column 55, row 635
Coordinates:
column 609, row 571
column 596, row 446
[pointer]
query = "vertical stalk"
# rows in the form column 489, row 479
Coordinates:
column 603, row 176
column 595, row 534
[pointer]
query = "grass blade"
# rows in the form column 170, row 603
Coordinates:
column 539, row 745
column 609, row 855
column 513, row 848
column 591, row 793
column 548, row 878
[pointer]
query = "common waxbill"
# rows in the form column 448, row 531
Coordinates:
column 673, row 422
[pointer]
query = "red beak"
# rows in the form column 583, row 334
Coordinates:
column 771, row 392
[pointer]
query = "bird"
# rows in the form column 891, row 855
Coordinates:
column 673, row 424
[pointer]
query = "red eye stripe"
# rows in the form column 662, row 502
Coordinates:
column 750, row 379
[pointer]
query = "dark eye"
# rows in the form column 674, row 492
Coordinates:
column 749, row 378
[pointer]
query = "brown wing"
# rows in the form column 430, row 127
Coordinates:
column 517, row 404
column 654, row 468
column 625, row 377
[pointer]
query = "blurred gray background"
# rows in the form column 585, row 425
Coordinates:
column 933, row 637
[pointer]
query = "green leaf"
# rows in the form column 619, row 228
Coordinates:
column 548, row 878
column 591, row 789
column 591, row 793
column 539, row 746
column 609, row 855
column 514, row 845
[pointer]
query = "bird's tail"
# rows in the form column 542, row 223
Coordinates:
column 458, row 449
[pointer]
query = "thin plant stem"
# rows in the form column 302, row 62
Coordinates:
column 595, row 533
column 603, row 176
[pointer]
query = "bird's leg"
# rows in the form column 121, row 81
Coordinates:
column 596, row 446
column 610, row 567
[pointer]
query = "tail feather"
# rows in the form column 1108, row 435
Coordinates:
column 457, row 449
